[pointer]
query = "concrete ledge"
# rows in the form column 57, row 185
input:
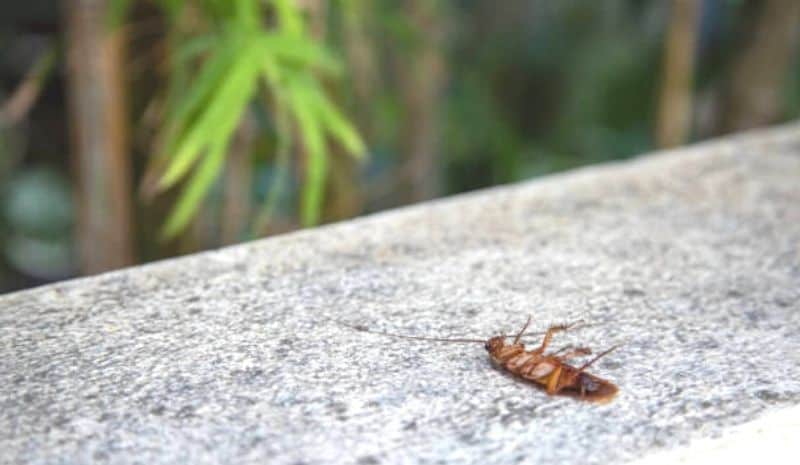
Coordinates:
column 689, row 258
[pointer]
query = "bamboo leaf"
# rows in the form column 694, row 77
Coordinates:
column 211, row 75
column 317, row 162
column 301, row 52
column 338, row 126
column 226, row 105
column 289, row 18
column 247, row 13
column 190, row 48
column 238, row 93
column 199, row 128
column 181, row 103
column 271, row 72
column 192, row 196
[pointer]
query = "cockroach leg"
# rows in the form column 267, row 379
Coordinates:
column 564, row 349
column 522, row 331
column 549, row 335
column 598, row 357
column 575, row 352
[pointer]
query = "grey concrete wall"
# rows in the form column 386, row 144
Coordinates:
column 690, row 259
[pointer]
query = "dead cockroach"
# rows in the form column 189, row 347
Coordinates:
column 548, row 371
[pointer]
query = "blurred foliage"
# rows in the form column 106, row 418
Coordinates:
column 37, row 213
column 217, row 69
column 530, row 88
column 576, row 86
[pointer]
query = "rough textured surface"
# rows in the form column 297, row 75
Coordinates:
column 691, row 259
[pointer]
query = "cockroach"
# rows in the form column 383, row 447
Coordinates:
column 550, row 372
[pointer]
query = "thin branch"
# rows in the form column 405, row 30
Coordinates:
column 25, row 95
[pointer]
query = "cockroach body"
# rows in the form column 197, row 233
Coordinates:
column 548, row 371
column 551, row 371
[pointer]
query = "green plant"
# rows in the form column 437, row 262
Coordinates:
column 250, row 52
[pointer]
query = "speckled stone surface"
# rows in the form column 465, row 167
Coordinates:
column 690, row 259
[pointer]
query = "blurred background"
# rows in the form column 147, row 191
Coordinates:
column 132, row 131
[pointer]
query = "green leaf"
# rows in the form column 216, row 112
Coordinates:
column 248, row 14
column 338, row 126
column 317, row 160
column 209, row 78
column 301, row 52
column 191, row 47
column 241, row 50
column 201, row 182
column 272, row 74
column 214, row 130
column 226, row 105
column 289, row 17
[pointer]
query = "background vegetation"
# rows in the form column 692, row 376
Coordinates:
column 137, row 130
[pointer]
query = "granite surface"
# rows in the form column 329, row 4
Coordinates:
column 690, row 259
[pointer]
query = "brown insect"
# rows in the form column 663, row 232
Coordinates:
column 550, row 372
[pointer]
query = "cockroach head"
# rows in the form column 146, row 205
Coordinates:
column 495, row 343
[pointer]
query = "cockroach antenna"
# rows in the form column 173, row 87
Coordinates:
column 404, row 336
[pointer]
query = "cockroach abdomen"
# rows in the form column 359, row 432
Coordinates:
column 587, row 383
